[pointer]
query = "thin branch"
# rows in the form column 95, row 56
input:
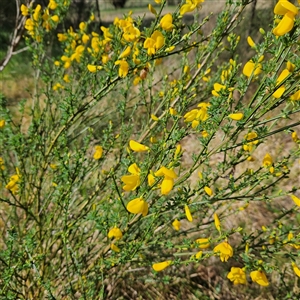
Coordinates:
column 16, row 37
column 21, row 50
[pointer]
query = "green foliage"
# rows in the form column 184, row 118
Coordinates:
column 144, row 150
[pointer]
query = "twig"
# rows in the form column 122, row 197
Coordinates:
column 16, row 37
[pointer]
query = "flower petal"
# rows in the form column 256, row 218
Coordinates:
column 188, row 213
column 161, row 266
column 285, row 25
column 136, row 206
column 137, row 147
column 167, row 185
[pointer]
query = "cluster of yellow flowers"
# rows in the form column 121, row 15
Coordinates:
column 253, row 69
column 99, row 46
column 13, row 184
column 224, row 250
column 38, row 17
column 132, row 181
column 195, row 116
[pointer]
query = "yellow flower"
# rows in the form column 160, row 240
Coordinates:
column 53, row 166
column 237, row 276
column 154, row 117
column 267, row 161
column 57, row 86
column 252, row 68
column 295, row 199
column 204, row 134
column 52, row 4
column 93, row 68
column 290, row 66
column 161, row 266
column 172, row 111
column 186, row 69
column 29, row 25
column 284, row 6
column 115, row 233
column 291, row 236
column 294, row 136
column 151, row 179
column 217, row 222
column 247, row 248
column 296, row 269
column 177, row 151
column 36, row 13
column 166, row 22
column 285, row 25
column 138, row 206
column 250, row 136
column 85, row 38
column 224, row 250
column 197, row 115
column 107, row 35
column 154, row 43
column 188, row 213
column 295, row 96
column 2, row 124
column 190, row 5
column 278, row 93
column 131, row 181
column 203, row 243
column 98, row 152
column 169, row 49
column 55, row 18
column 288, row 11
column 176, row 224
column 259, row 277
column 137, row 147
column 114, row 248
column 131, row 33
column 152, row 9
column 67, row 61
column 236, row 116
column 198, row 255
column 82, row 26
column 168, row 181
column 2, row 167
column 153, row 139
column 217, row 88
column 78, row 53
column 136, row 80
column 13, row 185
column 125, row 53
column 208, row 190
column 251, row 42
column 124, row 67
column 66, row 78
column 24, row 10
column 105, row 58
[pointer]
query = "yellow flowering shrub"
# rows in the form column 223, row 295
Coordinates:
column 101, row 184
